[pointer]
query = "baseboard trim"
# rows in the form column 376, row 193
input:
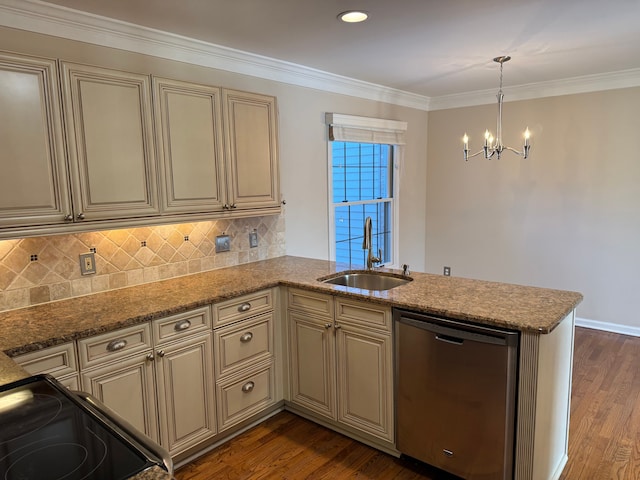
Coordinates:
column 561, row 465
column 608, row 327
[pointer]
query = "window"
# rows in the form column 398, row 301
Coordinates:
column 363, row 154
column 362, row 180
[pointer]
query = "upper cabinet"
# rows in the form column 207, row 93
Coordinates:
column 110, row 143
column 251, row 149
column 120, row 149
column 33, row 183
column 189, row 130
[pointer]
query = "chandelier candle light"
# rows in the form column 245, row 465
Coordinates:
column 494, row 146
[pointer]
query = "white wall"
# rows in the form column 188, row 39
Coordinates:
column 566, row 218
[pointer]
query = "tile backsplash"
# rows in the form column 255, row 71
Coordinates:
column 42, row 269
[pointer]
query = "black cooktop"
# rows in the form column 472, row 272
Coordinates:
column 47, row 433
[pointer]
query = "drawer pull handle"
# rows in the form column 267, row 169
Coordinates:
column 245, row 307
column 247, row 387
column 246, row 337
column 116, row 345
column 182, row 325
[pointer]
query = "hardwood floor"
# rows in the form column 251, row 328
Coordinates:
column 604, row 436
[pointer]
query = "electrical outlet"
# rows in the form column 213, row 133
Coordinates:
column 447, row 271
column 253, row 239
column 87, row 263
column 223, row 243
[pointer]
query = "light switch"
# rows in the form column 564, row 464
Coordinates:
column 223, row 243
column 253, row 239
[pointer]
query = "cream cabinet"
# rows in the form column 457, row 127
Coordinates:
column 188, row 119
column 312, row 347
column 364, row 354
column 244, row 339
column 85, row 146
column 251, row 150
column 184, row 372
column 110, row 143
column 117, row 369
column 33, row 184
column 58, row 361
column 341, row 361
column 162, row 370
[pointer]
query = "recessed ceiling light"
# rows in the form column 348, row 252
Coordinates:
column 353, row 16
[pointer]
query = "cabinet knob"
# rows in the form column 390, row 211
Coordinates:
column 150, row 357
column 233, row 205
column 283, row 202
column 246, row 337
column 337, row 326
column 247, row 387
column 182, row 325
column 116, row 345
column 225, row 206
column 327, row 326
column 245, row 307
column 80, row 216
column 68, row 218
column 161, row 353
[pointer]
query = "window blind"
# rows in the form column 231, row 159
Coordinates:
column 351, row 128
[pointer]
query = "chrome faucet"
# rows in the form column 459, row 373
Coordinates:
column 367, row 244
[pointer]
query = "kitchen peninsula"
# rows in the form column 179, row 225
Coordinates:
column 544, row 318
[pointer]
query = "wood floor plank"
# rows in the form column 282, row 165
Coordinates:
column 604, row 435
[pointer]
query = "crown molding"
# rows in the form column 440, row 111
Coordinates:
column 40, row 17
column 554, row 88
column 57, row 21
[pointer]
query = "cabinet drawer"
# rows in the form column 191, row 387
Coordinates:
column 310, row 302
column 171, row 328
column 242, row 307
column 242, row 396
column 57, row 361
column 363, row 314
column 114, row 345
column 242, row 344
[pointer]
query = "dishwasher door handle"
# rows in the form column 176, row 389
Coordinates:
column 448, row 339
column 454, row 332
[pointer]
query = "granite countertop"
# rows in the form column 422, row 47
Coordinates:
column 509, row 306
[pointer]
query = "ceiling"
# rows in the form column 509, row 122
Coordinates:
column 428, row 47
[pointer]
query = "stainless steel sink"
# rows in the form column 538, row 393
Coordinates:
column 367, row 280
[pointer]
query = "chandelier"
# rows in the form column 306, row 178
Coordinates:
column 494, row 146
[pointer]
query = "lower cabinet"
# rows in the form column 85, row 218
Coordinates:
column 59, row 361
column 244, row 337
column 128, row 388
column 341, row 361
column 186, row 406
column 169, row 377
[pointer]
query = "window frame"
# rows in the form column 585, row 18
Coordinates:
column 350, row 128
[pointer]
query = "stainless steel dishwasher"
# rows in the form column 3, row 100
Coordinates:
column 455, row 395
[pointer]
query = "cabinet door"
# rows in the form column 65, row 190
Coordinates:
column 365, row 381
column 33, row 183
column 251, row 150
column 312, row 363
column 186, row 392
column 110, row 140
column 189, row 139
column 127, row 387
